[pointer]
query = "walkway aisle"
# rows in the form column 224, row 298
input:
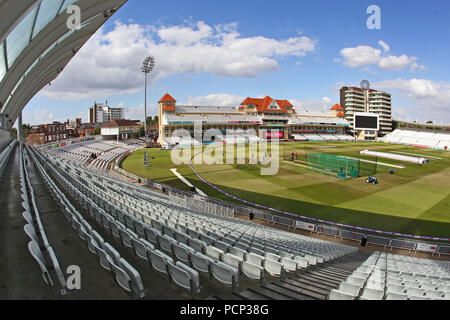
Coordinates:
column 20, row 276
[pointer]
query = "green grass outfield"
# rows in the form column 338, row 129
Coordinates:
column 414, row 200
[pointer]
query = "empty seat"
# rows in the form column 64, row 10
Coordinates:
column 225, row 274
column 349, row 288
column 372, row 294
column 140, row 248
column 197, row 245
column 122, row 278
column 396, row 296
column 165, row 243
column 233, row 261
column 152, row 235
column 253, row 271
column 289, row 264
column 414, row 292
column 301, row 262
column 271, row 256
column 273, row 268
column 214, row 253
column 181, row 238
column 395, row 289
column 102, row 256
column 182, row 252
column 114, row 229
column 238, row 252
column 221, row 245
column 185, row 277
column 339, row 295
column 159, row 260
column 355, row 281
column 113, row 253
column 36, row 252
column 255, row 259
column 201, row 262
column 137, row 287
column 434, row 294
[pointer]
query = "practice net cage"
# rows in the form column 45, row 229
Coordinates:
column 341, row 167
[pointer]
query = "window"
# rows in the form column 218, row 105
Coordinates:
column 19, row 38
column 48, row 11
column 2, row 62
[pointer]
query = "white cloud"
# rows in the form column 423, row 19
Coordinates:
column 218, row 99
column 431, row 98
column 313, row 104
column 110, row 62
column 396, row 63
column 38, row 117
column 364, row 56
column 360, row 56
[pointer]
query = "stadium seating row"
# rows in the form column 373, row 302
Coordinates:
column 394, row 277
column 429, row 139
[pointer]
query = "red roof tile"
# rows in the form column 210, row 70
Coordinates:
column 337, row 107
column 263, row 104
column 167, row 98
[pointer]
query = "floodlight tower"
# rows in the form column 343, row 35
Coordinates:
column 147, row 67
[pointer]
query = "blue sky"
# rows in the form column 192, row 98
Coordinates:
column 217, row 52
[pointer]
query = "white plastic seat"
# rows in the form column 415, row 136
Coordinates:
column 339, row 295
column 113, row 253
column 301, row 262
column 201, row 262
column 289, row 264
column 233, row 261
column 159, row 260
column 271, row 256
column 140, row 248
column 225, row 274
column 253, row 271
column 137, row 287
column 185, row 277
column 238, row 252
column 395, row 289
column 372, row 294
column 165, row 243
column 396, row 296
column 114, row 229
column 349, row 288
column 434, row 294
column 414, row 292
column 152, row 235
column 182, row 252
column 273, row 268
column 102, row 256
column 255, row 259
column 214, row 253
column 122, row 278
column 197, row 245
column 33, row 247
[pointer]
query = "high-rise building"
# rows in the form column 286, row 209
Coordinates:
column 100, row 113
column 354, row 99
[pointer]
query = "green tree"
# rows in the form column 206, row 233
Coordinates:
column 97, row 131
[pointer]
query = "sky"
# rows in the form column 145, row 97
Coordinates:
column 212, row 52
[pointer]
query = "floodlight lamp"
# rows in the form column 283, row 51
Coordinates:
column 149, row 64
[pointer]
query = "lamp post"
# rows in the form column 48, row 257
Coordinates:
column 147, row 67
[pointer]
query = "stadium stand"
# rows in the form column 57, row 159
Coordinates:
column 426, row 139
column 127, row 226
column 394, row 277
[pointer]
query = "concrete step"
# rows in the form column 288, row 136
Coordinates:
column 251, row 295
column 308, row 287
column 294, row 294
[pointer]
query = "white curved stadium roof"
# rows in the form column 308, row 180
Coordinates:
column 36, row 44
